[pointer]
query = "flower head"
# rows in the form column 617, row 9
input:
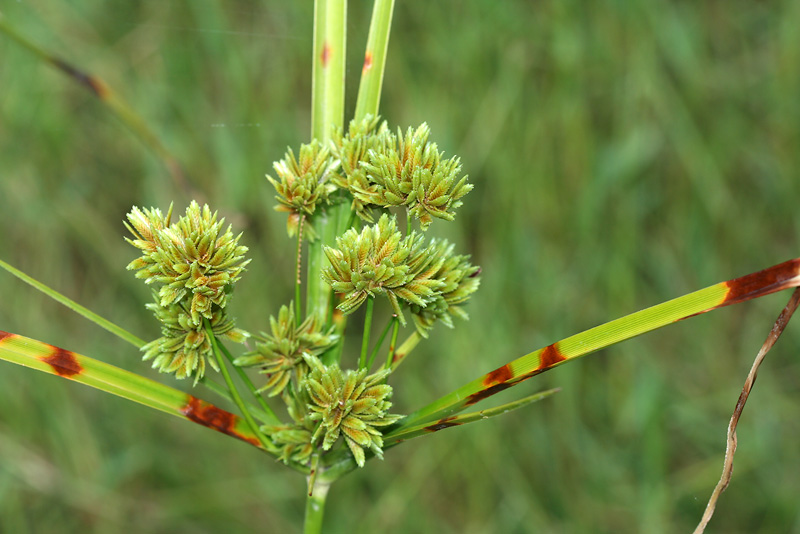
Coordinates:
column 380, row 261
column 183, row 348
column 192, row 259
column 350, row 404
column 383, row 169
column 280, row 355
column 196, row 263
column 303, row 182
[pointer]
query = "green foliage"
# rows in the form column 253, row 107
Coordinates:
column 606, row 182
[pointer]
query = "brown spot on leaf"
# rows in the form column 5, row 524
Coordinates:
column 550, row 356
column 95, row 85
column 6, row 335
column 442, row 424
column 325, row 56
column 63, row 362
column 367, row 62
column 498, row 376
column 488, row 392
column 203, row 413
column 775, row 278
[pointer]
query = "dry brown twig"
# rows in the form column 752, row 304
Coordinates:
column 727, row 470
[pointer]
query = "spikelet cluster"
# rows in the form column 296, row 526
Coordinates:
column 303, row 183
column 382, row 169
column 279, row 355
column 380, row 261
column 195, row 263
column 348, row 403
column 460, row 280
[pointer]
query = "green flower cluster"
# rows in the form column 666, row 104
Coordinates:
column 280, row 355
column 331, row 403
column 383, row 169
column 303, row 183
column 460, row 280
column 350, row 404
column 380, row 261
column 196, row 263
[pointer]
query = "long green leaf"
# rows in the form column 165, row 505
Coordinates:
column 74, row 306
column 369, row 90
column 775, row 278
column 413, row 431
column 84, row 370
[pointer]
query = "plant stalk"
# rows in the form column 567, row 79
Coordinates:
column 362, row 361
column 315, row 507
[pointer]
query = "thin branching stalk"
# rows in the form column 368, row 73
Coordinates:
column 299, row 273
column 393, row 341
column 362, row 361
column 237, row 398
column 378, row 345
column 408, row 345
column 272, row 419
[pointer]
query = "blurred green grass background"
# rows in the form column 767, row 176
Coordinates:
column 623, row 153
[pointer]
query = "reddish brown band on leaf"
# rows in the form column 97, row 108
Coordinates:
column 208, row 415
column 775, row 278
column 63, row 362
column 325, row 56
column 551, row 355
column 367, row 62
column 6, row 335
column 441, row 424
column 498, row 376
column 91, row 83
column 488, row 392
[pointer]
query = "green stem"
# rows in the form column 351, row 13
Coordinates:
column 237, row 399
column 369, row 90
column 379, row 343
column 220, row 390
column 272, row 419
column 362, row 361
column 327, row 112
column 393, row 342
column 408, row 345
column 315, row 507
column 297, row 279
column 328, row 76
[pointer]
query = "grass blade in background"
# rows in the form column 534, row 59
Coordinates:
column 109, row 98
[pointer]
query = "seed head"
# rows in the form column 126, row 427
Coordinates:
column 280, row 355
column 350, row 404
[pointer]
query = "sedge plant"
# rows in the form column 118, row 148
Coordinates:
column 360, row 199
